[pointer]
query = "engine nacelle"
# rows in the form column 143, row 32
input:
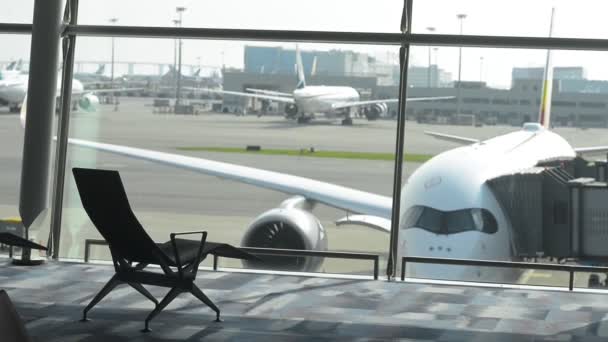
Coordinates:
column 88, row 103
column 291, row 109
column 375, row 111
column 286, row 228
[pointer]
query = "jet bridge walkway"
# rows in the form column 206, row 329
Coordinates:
column 558, row 210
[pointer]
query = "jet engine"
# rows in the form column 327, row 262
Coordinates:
column 88, row 103
column 375, row 111
column 291, row 110
column 291, row 226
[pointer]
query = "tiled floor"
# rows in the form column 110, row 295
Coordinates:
column 286, row 308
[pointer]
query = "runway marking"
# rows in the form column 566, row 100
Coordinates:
column 525, row 278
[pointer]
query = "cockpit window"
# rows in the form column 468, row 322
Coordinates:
column 450, row 222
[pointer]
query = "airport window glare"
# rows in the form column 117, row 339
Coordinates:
column 13, row 68
column 486, row 87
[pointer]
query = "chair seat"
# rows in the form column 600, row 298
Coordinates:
column 188, row 250
column 14, row 240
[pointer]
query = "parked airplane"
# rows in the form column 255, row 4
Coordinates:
column 12, row 70
column 13, row 92
column 306, row 101
column 96, row 79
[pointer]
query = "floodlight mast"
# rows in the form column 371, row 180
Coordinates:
column 180, row 10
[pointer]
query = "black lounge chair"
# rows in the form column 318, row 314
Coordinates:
column 105, row 201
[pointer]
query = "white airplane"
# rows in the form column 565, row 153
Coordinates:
column 13, row 69
column 306, row 101
column 13, row 93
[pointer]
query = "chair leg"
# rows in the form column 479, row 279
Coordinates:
column 200, row 295
column 169, row 297
column 144, row 292
column 107, row 288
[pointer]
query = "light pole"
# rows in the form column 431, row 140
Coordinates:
column 481, row 69
column 460, row 17
column 174, row 80
column 180, row 10
column 428, row 74
column 113, row 21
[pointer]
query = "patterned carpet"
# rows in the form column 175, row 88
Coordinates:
column 257, row 307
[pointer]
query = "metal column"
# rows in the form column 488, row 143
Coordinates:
column 42, row 87
column 406, row 22
column 69, row 49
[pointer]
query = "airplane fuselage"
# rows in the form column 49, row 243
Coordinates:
column 13, row 91
column 449, row 211
column 319, row 99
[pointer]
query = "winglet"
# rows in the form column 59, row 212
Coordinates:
column 452, row 138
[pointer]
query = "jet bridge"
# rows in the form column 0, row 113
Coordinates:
column 557, row 210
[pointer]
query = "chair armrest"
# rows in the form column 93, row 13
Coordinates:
column 198, row 256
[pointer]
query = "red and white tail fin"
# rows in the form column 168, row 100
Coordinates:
column 544, row 116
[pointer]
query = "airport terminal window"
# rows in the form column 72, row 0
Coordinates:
column 450, row 222
column 593, row 105
column 500, row 101
column 564, row 103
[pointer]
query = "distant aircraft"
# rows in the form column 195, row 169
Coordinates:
column 12, row 70
column 13, row 93
column 306, row 101
column 95, row 79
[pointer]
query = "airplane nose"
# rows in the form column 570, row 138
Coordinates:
column 424, row 244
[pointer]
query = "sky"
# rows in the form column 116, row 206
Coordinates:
column 582, row 19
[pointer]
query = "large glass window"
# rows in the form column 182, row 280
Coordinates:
column 512, row 18
column 499, row 91
column 250, row 104
column 19, row 12
column 218, row 119
column 336, row 15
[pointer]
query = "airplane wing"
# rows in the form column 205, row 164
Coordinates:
column 371, row 102
column 452, row 138
column 589, row 150
column 333, row 195
column 108, row 91
column 275, row 98
column 268, row 92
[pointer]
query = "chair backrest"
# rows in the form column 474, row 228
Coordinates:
column 105, row 201
column 12, row 328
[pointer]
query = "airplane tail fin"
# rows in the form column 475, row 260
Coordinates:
column 300, row 69
column 101, row 69
column 544, row 116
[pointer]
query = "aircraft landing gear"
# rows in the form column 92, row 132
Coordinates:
column 302, row 120
column 595, row 282
column 347, row 122
column 14, row 109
